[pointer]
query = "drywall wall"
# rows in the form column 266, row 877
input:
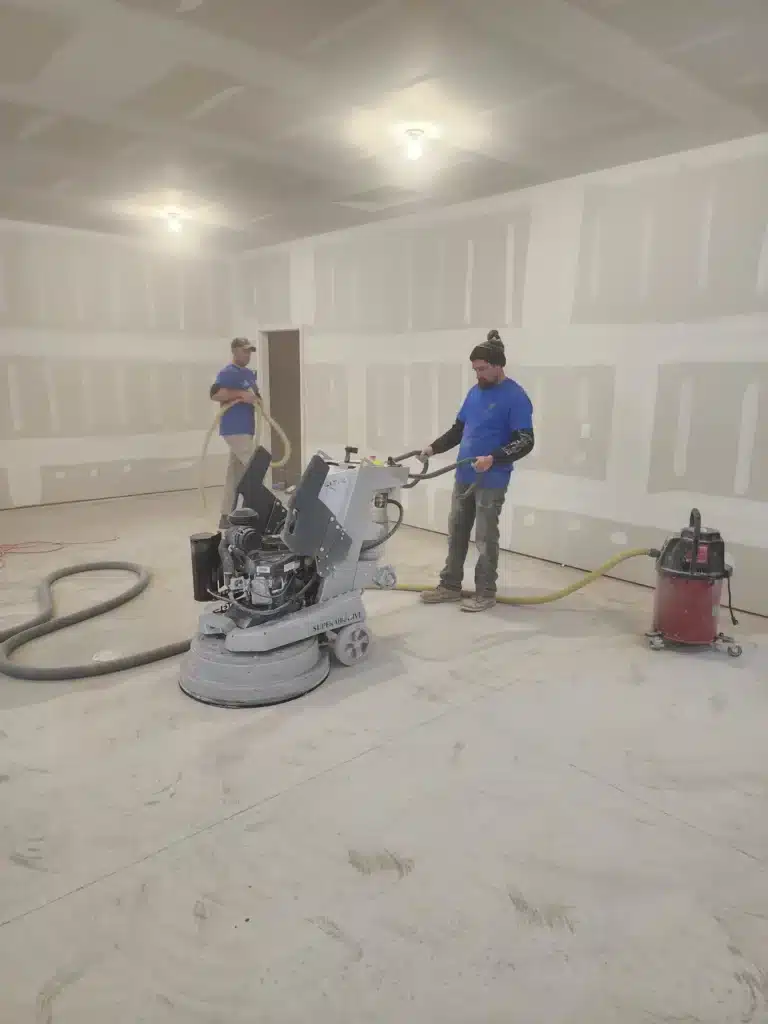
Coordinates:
column 107, row 352
column 634, row 307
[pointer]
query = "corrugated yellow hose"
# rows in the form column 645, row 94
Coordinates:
column 555, row 595
column 261, row 415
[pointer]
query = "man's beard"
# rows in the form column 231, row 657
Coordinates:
column 485, row 384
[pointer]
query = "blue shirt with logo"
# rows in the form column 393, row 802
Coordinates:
column 490, row 417
column 240, row 419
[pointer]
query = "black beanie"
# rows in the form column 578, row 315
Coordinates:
column 491, row 350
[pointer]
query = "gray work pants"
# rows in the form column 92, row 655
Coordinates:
column 481, row 508
column 240, row 452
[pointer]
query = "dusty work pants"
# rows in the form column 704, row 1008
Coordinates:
column 240, row 452
column 481, row 508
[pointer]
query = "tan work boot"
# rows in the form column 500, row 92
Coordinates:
column 440, row 595
column 478, row 603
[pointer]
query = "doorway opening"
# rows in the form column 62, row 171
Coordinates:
column 284, row 382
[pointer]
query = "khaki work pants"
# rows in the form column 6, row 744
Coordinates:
column 240, row 452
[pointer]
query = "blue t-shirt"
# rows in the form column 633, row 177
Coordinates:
column 240, row 419
column 490, row 415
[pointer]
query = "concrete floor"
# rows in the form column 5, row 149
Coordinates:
column 524, row 817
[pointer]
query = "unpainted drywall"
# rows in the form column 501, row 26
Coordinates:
column 264, row 288
column 573, row 414
column 470, row 272
column 326, row 402
column 107, row 353
column 75, row 281
column 78, row 398
column 679, row 246
column 716, row 418
column 122, row 477
column 633, row 305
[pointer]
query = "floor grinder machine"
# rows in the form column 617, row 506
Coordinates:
column 289, row 580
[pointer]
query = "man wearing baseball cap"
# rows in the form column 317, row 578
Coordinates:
column 494, row 429
column 236, row 384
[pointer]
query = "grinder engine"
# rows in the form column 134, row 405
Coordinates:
column 261, row 577
column 252, row 571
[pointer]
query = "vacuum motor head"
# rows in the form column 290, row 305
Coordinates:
column 697, row 551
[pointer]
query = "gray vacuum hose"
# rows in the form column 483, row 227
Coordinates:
column 44, row 624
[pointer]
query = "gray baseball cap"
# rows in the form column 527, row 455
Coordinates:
column 242, row 343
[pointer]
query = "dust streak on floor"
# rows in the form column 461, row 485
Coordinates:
column 520, row 817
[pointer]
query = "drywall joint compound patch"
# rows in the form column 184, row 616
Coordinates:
column 683, row 432
column 750, row 412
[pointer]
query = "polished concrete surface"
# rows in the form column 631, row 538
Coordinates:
column 522, row 817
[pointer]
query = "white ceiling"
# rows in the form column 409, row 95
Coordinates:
column 267, row 120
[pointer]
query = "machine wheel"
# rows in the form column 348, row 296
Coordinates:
column 734, row 650
column 385, row 578
column 352, row 644
column 656, row 643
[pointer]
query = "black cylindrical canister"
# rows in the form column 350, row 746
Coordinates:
column 206, row 565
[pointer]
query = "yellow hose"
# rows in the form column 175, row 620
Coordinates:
column 555, row 595
column 261, row 415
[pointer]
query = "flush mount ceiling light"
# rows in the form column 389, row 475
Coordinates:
column 173, row 221
column 173, row 212
column 416, row 137
column 414, row 144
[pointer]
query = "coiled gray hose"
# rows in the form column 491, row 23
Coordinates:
column 44, row 623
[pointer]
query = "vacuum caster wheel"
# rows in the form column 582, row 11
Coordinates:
column 656, row 643
column 734, row 650
column 352, row 644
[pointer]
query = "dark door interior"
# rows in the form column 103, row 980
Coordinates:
column 285, row 401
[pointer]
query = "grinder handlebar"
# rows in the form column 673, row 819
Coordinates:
column 415, row 478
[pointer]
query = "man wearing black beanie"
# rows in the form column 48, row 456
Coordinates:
column 494, row 429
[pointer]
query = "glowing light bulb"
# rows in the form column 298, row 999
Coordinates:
column 414, row 148
column 173, row 221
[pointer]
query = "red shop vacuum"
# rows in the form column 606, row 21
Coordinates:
column 690, row 571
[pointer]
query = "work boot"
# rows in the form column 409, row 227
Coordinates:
column 440, row 595
column 478, row 603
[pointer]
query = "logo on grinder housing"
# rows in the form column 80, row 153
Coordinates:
column 337, row 623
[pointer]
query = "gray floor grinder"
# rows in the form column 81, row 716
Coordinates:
column 284, row 582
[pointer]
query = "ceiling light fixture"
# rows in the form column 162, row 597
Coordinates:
column 414, row 146
column 173, row 221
